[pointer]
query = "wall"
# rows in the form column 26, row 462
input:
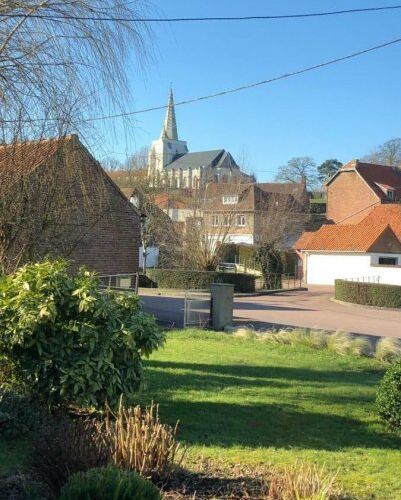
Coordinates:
column 324, row 268
column 101, row 220
column 349, row 199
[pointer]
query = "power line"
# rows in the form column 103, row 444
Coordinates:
column 202, row 19
column 224, row 92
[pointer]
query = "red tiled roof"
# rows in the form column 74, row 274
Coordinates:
column 165, row 201
column 359, row 237
column 385, row 214
column 379, row 178
column 342, row 238
column 303, row 240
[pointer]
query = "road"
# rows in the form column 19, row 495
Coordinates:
column 311, row 309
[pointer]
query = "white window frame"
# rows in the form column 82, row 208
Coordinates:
column 230, row 199
column 241, row 220
column 215, row 220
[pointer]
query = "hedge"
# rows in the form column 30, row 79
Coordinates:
column 368, row 294
column 187, row 279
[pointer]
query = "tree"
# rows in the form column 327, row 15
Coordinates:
column 297, row 169
column 271, row 265
column 388, row 153
column 327, row 169
column 56, row 65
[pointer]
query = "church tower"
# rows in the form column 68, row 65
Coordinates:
column 168, row 147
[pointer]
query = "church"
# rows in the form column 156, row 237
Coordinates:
column 171, row 164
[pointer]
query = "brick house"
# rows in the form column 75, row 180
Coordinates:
column 368, row 250
column 250, row 211
column 56, row 200
column 358, row 187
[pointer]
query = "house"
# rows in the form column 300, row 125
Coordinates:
column 249, row 213
column 56, row 200
column 368, row 250
column 171, row 164
column 358, row 187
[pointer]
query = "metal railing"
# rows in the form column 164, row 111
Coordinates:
column 120, row 282
column 278, row 282
column 364, row 279
column 197, row 308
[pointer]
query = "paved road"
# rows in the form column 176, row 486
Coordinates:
column 312, row 309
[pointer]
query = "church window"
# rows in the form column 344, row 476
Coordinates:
column 230, row 200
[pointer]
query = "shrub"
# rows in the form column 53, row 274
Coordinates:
column 191, row 279
column 388, row 349
column 62, row 447
column 388, row 399
column 23, row 487
column 69, row 342
column 18, row 414
column 361, row 346
column 302, row 482
column 138, row 441
column 109, row 483
column 370, row 294
column 339, row 342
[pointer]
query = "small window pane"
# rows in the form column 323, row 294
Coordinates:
column 388, row 261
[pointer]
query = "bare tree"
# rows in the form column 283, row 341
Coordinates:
column 388, row 153
column 56, row 64
column 213, row 222
column 298, row 169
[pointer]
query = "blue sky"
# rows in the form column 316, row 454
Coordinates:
column 343, row 111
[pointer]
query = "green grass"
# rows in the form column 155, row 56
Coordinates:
column 249, row 402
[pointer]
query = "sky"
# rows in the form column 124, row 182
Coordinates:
column 343, row 111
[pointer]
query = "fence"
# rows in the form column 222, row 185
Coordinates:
column 197, row 308
column 279, row 282
column 120, row 282
column 364, row 279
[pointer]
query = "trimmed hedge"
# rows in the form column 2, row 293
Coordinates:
column 186, row 279
column 368, row 294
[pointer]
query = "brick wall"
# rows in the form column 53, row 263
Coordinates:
column 68, row 207
column 349, row 199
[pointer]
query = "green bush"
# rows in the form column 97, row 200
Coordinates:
column 388, row 399
column 68, row 341
column 18, row 414
column 109, row 483
column 186, row 279
column 370, row 294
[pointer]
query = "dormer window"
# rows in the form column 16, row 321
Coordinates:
column 230, row 200
column 391, row 194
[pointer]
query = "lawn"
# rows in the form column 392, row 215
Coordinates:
column 244, row 401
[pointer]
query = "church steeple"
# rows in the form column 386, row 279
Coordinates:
column 170, row 125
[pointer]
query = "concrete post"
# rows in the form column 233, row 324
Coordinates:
column 222, row 305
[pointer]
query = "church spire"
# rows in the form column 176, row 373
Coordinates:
column 170, row 125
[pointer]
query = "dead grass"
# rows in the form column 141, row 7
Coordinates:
column 388, row 350
column 138, row 441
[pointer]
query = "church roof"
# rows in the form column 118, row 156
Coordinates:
column 197, row 159
column 170, row 124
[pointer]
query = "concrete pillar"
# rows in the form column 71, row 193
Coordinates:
column 222, row 305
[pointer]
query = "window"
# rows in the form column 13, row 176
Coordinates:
column 388, row 261
column 390, row 194
column 230, row 200
column 215, row 220
column 241, row 220
column 226, row 220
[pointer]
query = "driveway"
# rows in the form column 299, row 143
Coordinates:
column 311, row 309
column 314, row 309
